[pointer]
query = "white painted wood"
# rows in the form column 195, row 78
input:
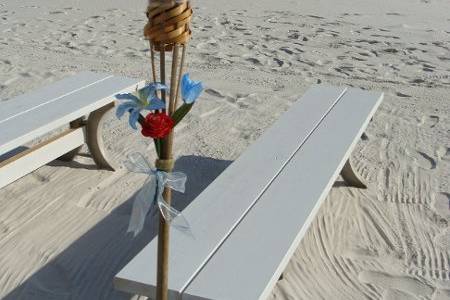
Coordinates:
column 47, row 93
column 252, row 258
column 220, row 207
column 34, row 159
column 28, row 116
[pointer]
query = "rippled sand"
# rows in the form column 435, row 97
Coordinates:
column 62, row 228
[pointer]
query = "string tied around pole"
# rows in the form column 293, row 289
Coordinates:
column 150, row 197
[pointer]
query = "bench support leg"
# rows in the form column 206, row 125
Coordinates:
column 350, row 177
column 94, row 139
column 69, row 156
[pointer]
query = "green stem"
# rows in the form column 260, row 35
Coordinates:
column 141, row 119
column 182, row 111
column 158, row 143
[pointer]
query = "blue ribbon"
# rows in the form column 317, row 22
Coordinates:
column 151, row 197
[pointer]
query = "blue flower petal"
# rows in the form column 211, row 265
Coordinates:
column 134, row 117
column 155, row 104
column 190, row 90
column 158, row 86
column 146, row 99
column 127, row 96
column 150, row 89
column 124, row 107
column 193, row 93
column 185, row 84
column 144, row 93
column 153, row 87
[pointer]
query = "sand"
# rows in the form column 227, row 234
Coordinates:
column 62, row 228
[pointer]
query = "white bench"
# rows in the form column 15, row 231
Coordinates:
column 29, row 116
column 276, row 186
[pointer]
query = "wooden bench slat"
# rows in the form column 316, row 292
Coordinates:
column 33, row 158
column 57, row 89
column 251, row 260
column 220, row 207
column 57, row 105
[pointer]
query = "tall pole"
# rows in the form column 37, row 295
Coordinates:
column 168, row 27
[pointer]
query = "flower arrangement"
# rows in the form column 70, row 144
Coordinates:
column 158, row 125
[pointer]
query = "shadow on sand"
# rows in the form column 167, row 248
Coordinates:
column 85, row 269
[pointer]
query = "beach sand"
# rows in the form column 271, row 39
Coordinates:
column 62, row 228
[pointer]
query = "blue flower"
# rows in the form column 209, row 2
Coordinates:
column 144, row 98
column 190, row 90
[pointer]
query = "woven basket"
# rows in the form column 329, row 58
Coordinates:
column 168, row 23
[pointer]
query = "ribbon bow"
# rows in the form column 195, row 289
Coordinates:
column 151, row 194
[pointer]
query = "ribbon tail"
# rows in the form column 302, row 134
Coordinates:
column 175, row 181
column 137, row 163
column 173, row 216
column 141, row 206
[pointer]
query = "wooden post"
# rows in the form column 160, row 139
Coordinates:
column 165, row 34
column 162, row 278
column 162, row 283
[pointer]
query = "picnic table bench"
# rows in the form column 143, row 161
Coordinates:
column 32, row 115
column 246, row 225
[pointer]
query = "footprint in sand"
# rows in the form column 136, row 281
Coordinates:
column 366, row 54
column 422, row 159
column 358, row 59
column 441, row 295
column 294, row 36
column 417, row 81
column 430, row 121
column 287, row 50
column 409, row 285
column 433, row 120
column 5, row 66
column 278, row 62
column 442, row 153
column 40, row 178
column 442, row 240
column 441, row 204
column 445, row 153
column 392, row 294
column 316, row 17
column 254, row 61
column 214, row 93
column 57, row 12
column 425, row 161
column 403, row 95
column 3, row 228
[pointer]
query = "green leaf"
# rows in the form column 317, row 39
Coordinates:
column 182, row 111
column 157, row 147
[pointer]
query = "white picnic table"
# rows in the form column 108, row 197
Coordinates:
column 37, row 113
column 246, row 225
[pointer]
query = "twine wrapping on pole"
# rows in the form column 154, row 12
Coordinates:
column 165, row 165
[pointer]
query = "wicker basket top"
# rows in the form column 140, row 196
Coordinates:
column 168, row 22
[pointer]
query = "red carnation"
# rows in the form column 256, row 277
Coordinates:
column 157, row 125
